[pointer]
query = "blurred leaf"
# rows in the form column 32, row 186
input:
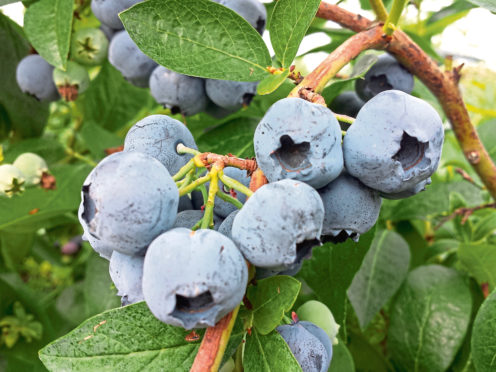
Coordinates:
column 99, row 291
column 127, row 338
column 48, row 25
column 441, row 19
column 198, row 38
column 111, row 102
column 331, row 269
column 18, row 111
column 480, row 262
column 484, row 227
column 289, row 22
column 429, row 319
column 14, row 248
column 271, row 298
column 34, row 207
column 365, row 356
column 268, row 353
column 98, row 139
column 70, row 304
column 363, row 64
column 272, row 82
column 484, row 336
column 342, row 361
column 488, row 4
column 49, row 149
column 478, row 86
column 383, row 270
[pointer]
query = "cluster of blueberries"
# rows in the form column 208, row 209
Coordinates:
column 180, row 93
column 321, row 188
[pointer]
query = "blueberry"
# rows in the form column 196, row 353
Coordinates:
column 126, row 57
column 252, row 10
column 32, row 166
column 395, row 142
column 230, row 95
column 185, row 204
column 107, row 11
column 127, row 274
column 11, row 180
column 262, row 273
column 300, row 140
column 189, row 219
column 347, row 103
column 34, row 77
column 192, row 279
column 108, row 31
column 225, row 227
column 320, row 315
column 278, row 226
column 101, row 247
column 385, row 74
column 71, row 82
column 158, row 137
column 309, row 344
column 350, row 207
column 177, row 92
column 128, row 199
column 407, row 193
column 223, row 208
column 89, row 46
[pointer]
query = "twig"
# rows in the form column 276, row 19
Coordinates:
column 467, row 177
column 464, row 212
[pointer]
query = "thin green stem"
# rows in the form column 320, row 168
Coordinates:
column 345, row 118
column 184, row 170
column 77, row 155
column 379, row 9
column 229, row 199
column 182, row 149
column 208, row 217
column 394, row 17
column 193, row 185
column 234, row 184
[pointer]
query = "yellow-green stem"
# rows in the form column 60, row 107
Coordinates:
column 208, row 217
column 184, row 170
column 379, row 9
column 234, row 184
column 230, row 199
column 193, row 185
column 394, row 17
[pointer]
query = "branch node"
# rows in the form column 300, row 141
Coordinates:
column 473, row 157
column 309, row 95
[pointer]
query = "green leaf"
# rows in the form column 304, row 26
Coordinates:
column 365, row 356
column 480, row 262
column 235, row 137
column 99, row 291
column 49, row 149
column 271, row 298
column 363, row 64
column 331, row 269
column 441, row 19
column 384, row 268
column 429, row 319
column 484, row 227
column 484, row 336
column 288, row 24
column 488, row 4
column 129, row 338
column 48, row 25
column 198, row 38
column 14, row 248
column 342, row 361
column 268, row 353
column 111, row 102
column 98, row 139
column 18, row 111
column 32, row 209
column 272, row 82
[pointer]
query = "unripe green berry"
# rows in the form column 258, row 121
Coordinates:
column 71, row 82
column 32, row 167
column 11, row 180
column 89, row 46
column 320, row 315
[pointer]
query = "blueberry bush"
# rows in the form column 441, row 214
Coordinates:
column 175, row 198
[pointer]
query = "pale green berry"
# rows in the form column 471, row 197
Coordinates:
column 11, row 180
column 320, row 315
column 32, row 167
column 89, row 46
column 71, row 82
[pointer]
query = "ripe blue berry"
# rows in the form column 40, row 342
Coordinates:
column 395, row 142
column 132, row 63
column 189, row 218
column 107, row 11
column 177, row 92
column 34, row 77
column 252, row 10
column 385, row 74
column 192, row 279
column 128, row 199
column 278, row 226
column 230, row 95
column 158, row 136
column 347, row 103
column 350, row 207
column 127, row 274
column 300, row 140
